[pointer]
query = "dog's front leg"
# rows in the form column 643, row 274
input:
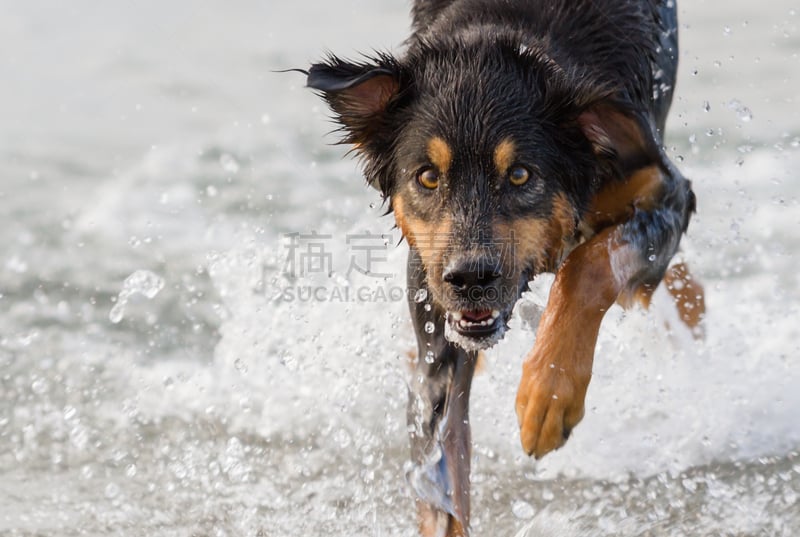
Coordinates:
column 556, row 374
column 438, row 417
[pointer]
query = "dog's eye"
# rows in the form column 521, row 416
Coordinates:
column 428, row 178
column 519, row 175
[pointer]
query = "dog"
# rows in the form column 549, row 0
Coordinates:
column 513, row 138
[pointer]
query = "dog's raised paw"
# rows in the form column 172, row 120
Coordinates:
column 550, row 403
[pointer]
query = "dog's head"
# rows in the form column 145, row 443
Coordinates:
column 488, row 155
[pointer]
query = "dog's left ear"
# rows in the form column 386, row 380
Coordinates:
column 620, row 134
column 359, row 94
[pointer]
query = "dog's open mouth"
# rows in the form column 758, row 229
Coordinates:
column 475, row 323
column 475, row 329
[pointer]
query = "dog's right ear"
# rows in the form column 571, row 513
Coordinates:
column 359, row 94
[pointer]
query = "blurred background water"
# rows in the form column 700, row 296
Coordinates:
column 155, row 379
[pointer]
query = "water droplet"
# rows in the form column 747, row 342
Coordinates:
column 742, row 111
column 706, row 106
column 15, row 264
column 130, row 470
column 117, row 312
column 291, row 362
column 430, row 328
column 79, row 437
column 211, row 191
column 87, row 472
column 179, row 470
column 522, row 510
column 234, row 447
column 40, row 386
column 429, row 357
column 342, row 437
column 112, row 491
column 420, row 295
column 651, row 257
column 143, row 282
column 228, row 163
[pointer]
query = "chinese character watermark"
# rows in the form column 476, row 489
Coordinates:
column 307, row 255
column 342, row 264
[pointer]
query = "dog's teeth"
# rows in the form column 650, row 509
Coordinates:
column 456, row 315
column 490, row 321
column 495, row 314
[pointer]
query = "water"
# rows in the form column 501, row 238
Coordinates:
column 157, row 379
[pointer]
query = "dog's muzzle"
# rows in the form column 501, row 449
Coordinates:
column 474, row 287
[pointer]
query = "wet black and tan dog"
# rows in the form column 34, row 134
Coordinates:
column 513, row 138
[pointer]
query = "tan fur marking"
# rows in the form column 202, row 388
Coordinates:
column 539, row 239
column 434, row 523
column 455, row 529
column 504, row 155
column 480, row 363
column 431, row 240
column 524, row 240
column 615, row 203
column 398, row 208
column 427, row 519
column 440, row 154
column 563, row 225
column 688, row 295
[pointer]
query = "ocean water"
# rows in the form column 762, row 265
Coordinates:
column 160, row 374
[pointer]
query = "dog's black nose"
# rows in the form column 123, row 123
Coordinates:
column 471, row 273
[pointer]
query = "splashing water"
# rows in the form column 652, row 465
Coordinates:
column 233, row 410
column 141, row 282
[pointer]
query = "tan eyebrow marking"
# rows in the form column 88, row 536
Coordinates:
column 504, row 155
column 440, row 154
